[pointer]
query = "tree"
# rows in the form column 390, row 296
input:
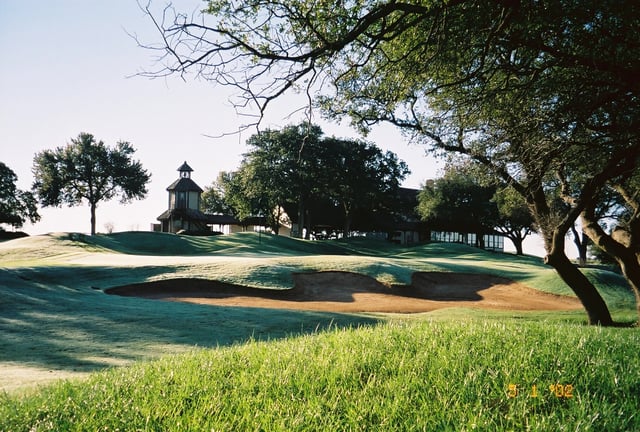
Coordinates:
column 255, row 193
column 536, row 93
column 233, row 194
column 298, row 167
column 86, row 170
column 515, row 220
column 581, row 240
column 282, row 167
column 468, row 196
column 215, row 197
column 607, row 207
column 359, row 176
column 16, row 206
column 622, row 242
column 457, row 202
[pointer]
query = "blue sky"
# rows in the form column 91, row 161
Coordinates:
column 69, row 66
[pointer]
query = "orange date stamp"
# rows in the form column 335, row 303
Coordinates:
column 561, row 391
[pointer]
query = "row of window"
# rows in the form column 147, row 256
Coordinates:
column 491, row 241
column 183, row 199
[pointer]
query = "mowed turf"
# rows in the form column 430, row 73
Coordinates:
column 55, row 320
column 487, row 375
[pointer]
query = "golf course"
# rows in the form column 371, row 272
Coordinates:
column 153, row 331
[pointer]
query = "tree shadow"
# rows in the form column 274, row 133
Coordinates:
column 46, row 324
column 439, row 286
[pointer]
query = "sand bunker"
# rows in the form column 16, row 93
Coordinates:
column 352, row 292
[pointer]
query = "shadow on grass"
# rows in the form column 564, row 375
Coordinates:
column 48, row 325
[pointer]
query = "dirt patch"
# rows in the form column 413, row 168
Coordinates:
column 352, row 292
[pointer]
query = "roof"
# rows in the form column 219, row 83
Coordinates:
column 196, row 215
column 408, row 193
column 184, row 213
column 184, row 185
column 220, row 219
column 185, row 167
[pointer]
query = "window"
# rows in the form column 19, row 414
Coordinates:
column 182, row 200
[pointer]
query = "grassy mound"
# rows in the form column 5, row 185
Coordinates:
column 404, row 375
column 150, row 243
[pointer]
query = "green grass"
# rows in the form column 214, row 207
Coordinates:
column 416, row 375
column 193, row 367
column 147, row 243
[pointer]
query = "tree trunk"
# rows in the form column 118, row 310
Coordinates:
column 591, row 299
column 347, row 225
column 581, row 241
column 300, row 217
column 93, row 218
column 516, row 237
column 307, row 233
column 517, row 243
column 554, row 234
column 631, row 271
column 624, row 254
column 347, row 229
column 276, row 214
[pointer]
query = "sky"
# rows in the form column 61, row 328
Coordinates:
column 69, row 66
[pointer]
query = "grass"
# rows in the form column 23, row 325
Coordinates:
column 192, row 367
column 402, row 375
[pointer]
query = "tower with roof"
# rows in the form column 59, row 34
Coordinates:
column 184, row 212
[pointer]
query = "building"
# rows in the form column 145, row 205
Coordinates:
column 408, row 227
column 401, row 224
column 183, row 211
column 396, row 220
column 184, row 214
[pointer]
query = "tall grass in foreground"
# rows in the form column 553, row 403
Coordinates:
column 403, row 375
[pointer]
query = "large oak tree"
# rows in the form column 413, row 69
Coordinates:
column 541, row 93
column 360, row 177
column 88, row 170
column 297, row 167
column 515, row 220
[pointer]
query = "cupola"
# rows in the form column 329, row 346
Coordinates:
column 183, row 212
column 185, row 170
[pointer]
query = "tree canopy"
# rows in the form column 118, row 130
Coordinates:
column 544, row 94
column 88, row 170
column 515, row 220
column 455, row 201
column 311, row 176
column 464, row 198
column 359, row 176
column 16, row 206
column 214, row 197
